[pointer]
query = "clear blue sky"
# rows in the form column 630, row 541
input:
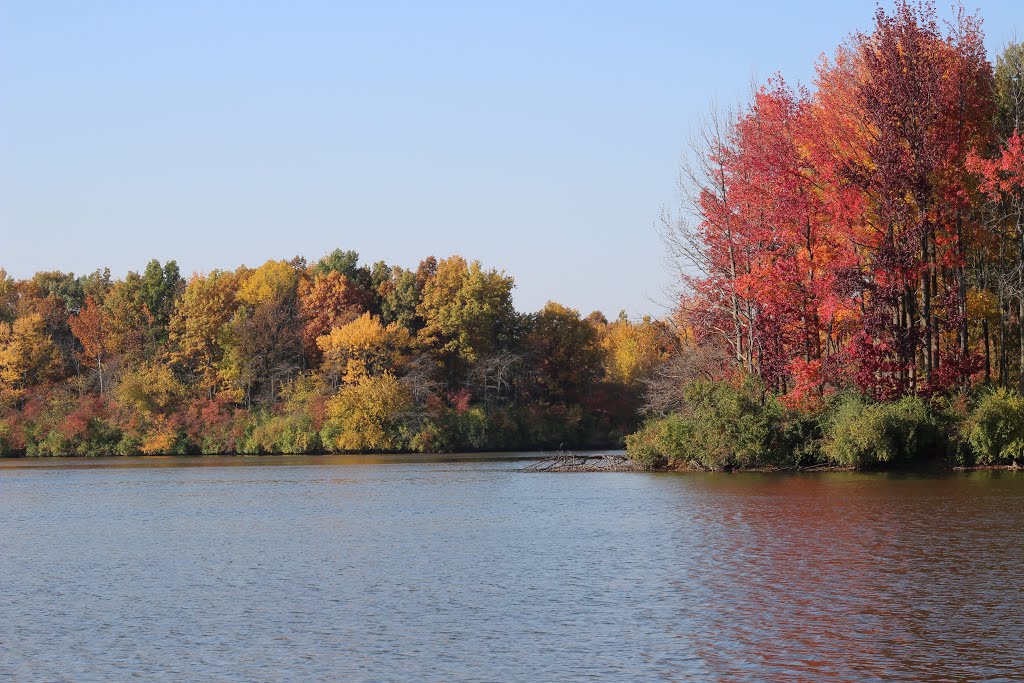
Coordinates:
column 541, row 138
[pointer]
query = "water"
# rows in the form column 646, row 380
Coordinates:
column 463, row 569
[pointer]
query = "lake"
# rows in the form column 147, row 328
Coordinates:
column 462, row 568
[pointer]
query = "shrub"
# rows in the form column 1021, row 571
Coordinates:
column 658, row 442
column 289, row 434
column 366, row 416
column 861, row 434
column 722, row 426
column 995, row 428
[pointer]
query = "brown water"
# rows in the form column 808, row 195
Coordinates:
column 464, row 569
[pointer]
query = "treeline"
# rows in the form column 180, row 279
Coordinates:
column 856, row 251
column 297, row 357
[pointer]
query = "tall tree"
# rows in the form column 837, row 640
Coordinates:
column 91, row 328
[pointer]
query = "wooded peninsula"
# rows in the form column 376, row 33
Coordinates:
column 855, row 250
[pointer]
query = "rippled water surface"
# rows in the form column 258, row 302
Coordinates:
column 463, row 569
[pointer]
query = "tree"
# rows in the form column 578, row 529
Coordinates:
column 468, row 310
column 565, row 352
column 366, row 415
column 197, row 328
column 330, row 300
column 130, row 322
column 149, row 389
column 160, row 287
column 272, row 282
column 263, row 350
column 1001, row 180
column 631, row 351
column 399, row 299
column 364, row 347
column 342, row 262
column 92, row 330
column 28, row 358
column 8, row 297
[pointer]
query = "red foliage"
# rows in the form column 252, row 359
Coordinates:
column 834, row 233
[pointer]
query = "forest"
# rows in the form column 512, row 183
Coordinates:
column 853, row 252
column 851, row 293
column 297, row 357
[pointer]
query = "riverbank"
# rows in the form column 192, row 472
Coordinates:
column 572, row 462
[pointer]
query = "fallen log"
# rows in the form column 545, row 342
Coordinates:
column 572, row 462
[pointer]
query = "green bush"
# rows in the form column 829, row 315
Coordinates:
column 995, row 428
column 723, row 426
column 861, row 434
column 658, row 442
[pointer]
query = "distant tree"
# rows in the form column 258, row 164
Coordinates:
column 160, row 288
column 565, row 352
column 330, row 300
column 197, row 328
column 28, row 358
column 468, row 310
column 91, row 328
column 364, row 347
column 367, row 415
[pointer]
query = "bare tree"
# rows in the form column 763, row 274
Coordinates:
column 689, row 361
column 703, row 181
column 496, row 376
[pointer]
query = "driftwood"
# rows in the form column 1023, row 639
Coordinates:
column 571, row 462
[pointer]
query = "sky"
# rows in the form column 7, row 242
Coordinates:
column 542, row 138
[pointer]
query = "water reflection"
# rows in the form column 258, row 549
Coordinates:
column 465, row 569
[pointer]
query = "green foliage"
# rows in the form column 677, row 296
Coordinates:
column 995, row 429
column 346, row 263
column 5, row 441
column 863, row 434
column 160, row 287
column 468, row 310
column 659, row 441
column 723, row 426
column 290, row 434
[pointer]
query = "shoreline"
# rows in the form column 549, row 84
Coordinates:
column 571, row 462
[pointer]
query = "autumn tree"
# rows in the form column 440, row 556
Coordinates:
column 631, row 350
column 91, row 328
column 198, row 328
column 28, row 357
column 564, row 351
column 366, row 415
column 363, row 347
column 467, row 310
column 327, row 301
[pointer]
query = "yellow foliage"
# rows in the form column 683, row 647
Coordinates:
column 632, row 350
column 273, row 281
column 364, row 347
column 364, row 416
column 27, row 356
column 466, row 308
column 150, row 388
column 159, row 441
column 982, row 305
column 197, row 325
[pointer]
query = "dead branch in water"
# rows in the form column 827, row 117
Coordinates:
column 572, row 462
